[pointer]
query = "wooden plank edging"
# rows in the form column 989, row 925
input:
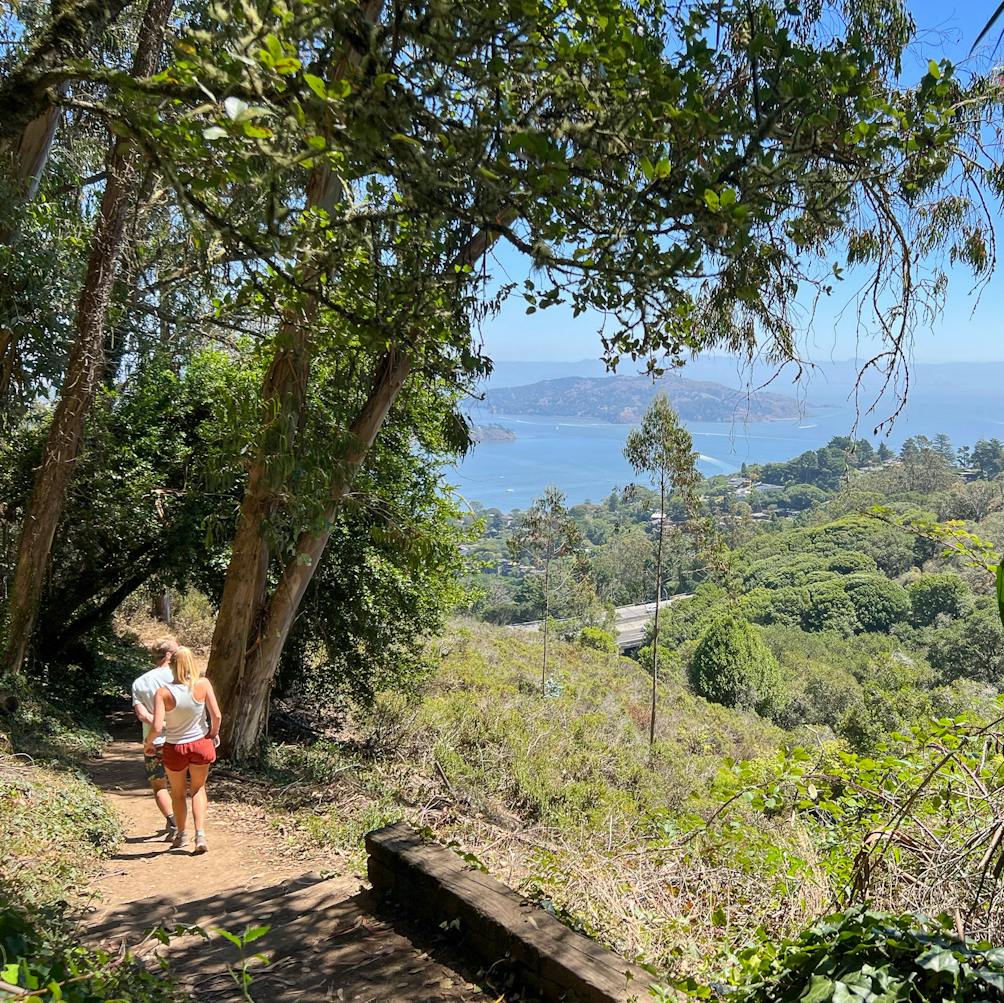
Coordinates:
column 496, row 925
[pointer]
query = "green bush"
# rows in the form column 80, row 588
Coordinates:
column 829, row 608
column 970, row 648
column 598, row 639
column 878, row 602
column 864, row 955
column 932, row 596
column 732, row 666
column 848, row 562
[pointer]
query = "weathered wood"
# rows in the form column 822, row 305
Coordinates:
column 496, row 925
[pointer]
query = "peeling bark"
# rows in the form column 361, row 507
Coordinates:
column 243, row 603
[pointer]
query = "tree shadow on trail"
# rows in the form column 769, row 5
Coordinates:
column 320, row 945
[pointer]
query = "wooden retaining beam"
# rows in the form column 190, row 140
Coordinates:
column 496, row 925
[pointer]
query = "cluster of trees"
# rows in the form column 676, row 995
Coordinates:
column 312, row 192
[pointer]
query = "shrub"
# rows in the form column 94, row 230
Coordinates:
column 37, row 957
column 786, row 606
column 935, row 595
column 598, row 639
column 866, row 955
column 848, row 562
column 970, row 648
column 829, row 608
column 732, row 666
column 821, row 694
column 878, row 602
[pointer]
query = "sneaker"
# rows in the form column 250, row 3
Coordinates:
column 201, row 846
column 180, row 840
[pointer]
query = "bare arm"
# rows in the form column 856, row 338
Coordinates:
column 215, row 717
column 142, row 713
column 157, row 724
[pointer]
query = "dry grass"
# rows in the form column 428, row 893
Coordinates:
column 561, row 798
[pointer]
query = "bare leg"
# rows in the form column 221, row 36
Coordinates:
column 162, row 795
column 200, row 801
column 177, row 782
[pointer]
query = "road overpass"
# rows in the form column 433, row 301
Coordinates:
column 629, row 623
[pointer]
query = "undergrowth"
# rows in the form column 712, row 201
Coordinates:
column 561, row 798
column 55, row 827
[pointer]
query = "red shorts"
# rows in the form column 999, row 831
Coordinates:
column 179, row 757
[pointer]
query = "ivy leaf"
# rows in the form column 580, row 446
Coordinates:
column 937, row 959
column 820, row 988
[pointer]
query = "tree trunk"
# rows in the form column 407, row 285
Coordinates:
column 243, row 603
column 96, row 616
column 245, row 696
column 547, row 616
column 83, row 373
column 25, row 94
column 658, row 602
column 162, row 607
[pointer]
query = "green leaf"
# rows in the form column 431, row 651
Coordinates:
column 820, row 988
column 647, row 169
column 9, row 973
column 995, row 979
column 316, row 84
column 255, row 933
column 256, row 131
column 1000, row 590
column 937, row 959
column 214, row 132
column 712, row 200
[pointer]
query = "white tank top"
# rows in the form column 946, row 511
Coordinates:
column 187, row 722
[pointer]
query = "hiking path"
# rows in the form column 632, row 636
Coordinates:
column 327, row 938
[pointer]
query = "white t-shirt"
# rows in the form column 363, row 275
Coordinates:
column 144, row 692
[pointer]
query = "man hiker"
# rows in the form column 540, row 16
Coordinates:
column 144, row 692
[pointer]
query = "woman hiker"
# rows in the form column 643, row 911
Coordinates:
column 189, row 741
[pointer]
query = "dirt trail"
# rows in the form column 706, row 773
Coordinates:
column 326, row 940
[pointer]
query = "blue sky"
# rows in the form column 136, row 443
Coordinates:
column 968, row 330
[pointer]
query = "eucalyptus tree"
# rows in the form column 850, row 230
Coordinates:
column 662, row 448
column 543, row 535
column 687, row 170
column 84, row 367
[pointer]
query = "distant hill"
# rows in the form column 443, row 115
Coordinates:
column 492, row 433
column 624, row 399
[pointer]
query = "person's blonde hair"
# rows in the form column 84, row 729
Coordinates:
column 186, row 669
column 165, row 646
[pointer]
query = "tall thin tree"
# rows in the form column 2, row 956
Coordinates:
column 662, row 448
column 84, row 370
column 544, row 534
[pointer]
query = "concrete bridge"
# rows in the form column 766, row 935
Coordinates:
column 629, row 624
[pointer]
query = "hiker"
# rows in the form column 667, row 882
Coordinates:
column 189, row 741
column 144, row 690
